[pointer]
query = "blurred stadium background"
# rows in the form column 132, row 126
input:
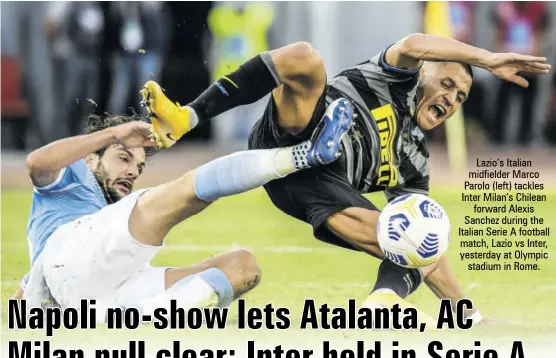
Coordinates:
column 62, row 60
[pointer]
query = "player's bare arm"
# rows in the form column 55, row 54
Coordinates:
column 44, row 164
column 147, row 215
column 412, row 50
column 296, row 77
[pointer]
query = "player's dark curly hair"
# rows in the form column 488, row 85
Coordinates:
column 97, row 123
column 468, row 69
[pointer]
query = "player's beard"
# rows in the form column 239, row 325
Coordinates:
column 103, row 180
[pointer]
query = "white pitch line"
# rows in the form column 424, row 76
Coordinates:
column 300, row 284
column 266, row 249
column 312, row 284
column 10, row 283
column 295, row 249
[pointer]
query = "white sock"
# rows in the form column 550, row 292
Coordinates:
column 292, row 159
column 193, row 293
column 193, row 117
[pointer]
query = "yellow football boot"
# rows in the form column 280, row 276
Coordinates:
column 170, row 121
column 389, row 299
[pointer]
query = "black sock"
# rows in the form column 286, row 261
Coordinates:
column 401, row 280
column 252, row 81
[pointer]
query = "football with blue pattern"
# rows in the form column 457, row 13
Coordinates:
column 413, row 231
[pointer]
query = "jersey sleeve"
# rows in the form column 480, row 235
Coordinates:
column 70, row 176
column 395, row 72
column 377, row 69
column 391, row 84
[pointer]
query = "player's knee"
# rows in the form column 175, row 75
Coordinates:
column 305, row 51
column 310, row 58
column 303, row 60
column 246, row 268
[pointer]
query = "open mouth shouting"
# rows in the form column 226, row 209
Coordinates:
column 124, row 186
column 436, row 112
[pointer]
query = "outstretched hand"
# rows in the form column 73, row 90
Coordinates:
column 134, row 134
column 510, row 66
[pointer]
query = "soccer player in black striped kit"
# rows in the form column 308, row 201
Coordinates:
column 411, row 86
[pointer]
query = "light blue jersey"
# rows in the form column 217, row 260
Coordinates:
column 73, row 194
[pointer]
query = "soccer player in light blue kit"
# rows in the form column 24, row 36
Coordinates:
column 90, row 236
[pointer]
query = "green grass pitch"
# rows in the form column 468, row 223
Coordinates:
column 296, row 266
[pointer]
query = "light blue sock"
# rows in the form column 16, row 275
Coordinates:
column 242, row 171
column 209, row 288
column 215, row 278
column 220, row 284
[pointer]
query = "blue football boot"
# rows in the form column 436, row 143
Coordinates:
column 326, row 142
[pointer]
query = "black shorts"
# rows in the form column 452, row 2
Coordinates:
column 310, row 195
